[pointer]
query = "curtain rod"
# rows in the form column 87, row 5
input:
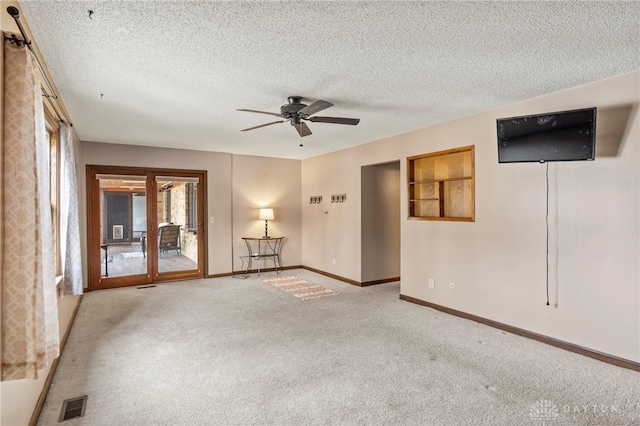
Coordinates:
column 15, row 14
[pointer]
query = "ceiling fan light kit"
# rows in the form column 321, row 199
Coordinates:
column 297, row 113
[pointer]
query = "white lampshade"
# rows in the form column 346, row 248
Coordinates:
column 266, row 214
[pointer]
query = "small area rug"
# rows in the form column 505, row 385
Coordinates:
column 299, row 288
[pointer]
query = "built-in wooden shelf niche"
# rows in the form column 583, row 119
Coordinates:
column 442, row 185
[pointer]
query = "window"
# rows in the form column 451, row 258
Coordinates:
column 54, row 184
column 192, row 206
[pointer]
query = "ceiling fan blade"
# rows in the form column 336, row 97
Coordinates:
column 317, row 106
column 335, row 120
column 262, row 125
column 259, row 112
column 302, row 129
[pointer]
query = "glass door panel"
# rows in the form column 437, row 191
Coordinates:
column 178, row 219
column 123, row 225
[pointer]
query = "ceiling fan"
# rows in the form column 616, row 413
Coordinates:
column 295, row 112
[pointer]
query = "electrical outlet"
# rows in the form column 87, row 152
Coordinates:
column 452, row 285
column 334, row 260
column 432, row 283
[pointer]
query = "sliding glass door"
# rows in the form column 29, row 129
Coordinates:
column 177, row 215
column 144, row 225
column 123, row 225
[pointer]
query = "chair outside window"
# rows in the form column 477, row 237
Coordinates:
column 168, row 239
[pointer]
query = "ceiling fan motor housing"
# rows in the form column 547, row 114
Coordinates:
column 291, row 109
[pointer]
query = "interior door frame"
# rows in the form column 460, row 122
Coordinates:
column 96, row 280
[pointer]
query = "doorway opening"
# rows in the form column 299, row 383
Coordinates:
column 380, row 219
column 144, row 225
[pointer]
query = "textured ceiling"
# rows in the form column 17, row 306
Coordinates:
column 173, row 73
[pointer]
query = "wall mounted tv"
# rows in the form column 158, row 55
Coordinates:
column 555, row 136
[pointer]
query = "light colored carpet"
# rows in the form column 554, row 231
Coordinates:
column 239, row 352
column 297, row 287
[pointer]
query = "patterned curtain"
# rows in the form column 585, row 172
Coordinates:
column 30, row 339
column 69, row 215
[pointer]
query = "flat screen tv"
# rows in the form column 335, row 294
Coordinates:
column 555, row 136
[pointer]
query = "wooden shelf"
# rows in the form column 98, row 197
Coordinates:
column 442, row 219
column 419, row 182
column 442, row 185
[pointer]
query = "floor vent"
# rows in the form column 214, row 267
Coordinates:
column 72, row 408
column 146, row 286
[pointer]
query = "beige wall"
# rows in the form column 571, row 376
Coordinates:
column 498, row 262
column 237, row 186
column 267, row 182
column 331, row 232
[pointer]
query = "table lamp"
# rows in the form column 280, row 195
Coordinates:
column 266, row 215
